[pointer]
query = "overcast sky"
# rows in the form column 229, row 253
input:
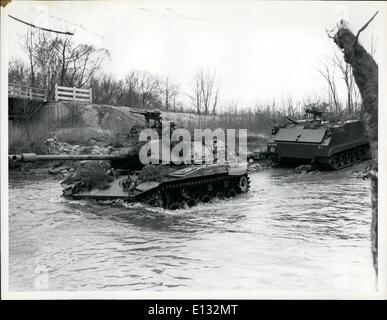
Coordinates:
column 260, row 50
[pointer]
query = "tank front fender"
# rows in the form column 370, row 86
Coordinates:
column 237, row 170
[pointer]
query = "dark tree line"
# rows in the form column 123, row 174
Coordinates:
column 138, row 89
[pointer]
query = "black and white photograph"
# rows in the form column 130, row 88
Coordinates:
column 193, row 150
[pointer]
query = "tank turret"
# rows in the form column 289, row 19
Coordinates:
column 152, row 118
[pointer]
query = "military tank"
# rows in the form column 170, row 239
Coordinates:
column 326, row 144
column 170, row 187
column 121, row 176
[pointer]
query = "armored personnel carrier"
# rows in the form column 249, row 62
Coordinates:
column 327, row 144
column 121, row 176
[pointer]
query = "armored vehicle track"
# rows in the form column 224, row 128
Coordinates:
column 183, row 194
column 346, row 158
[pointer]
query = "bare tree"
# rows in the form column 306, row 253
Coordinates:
column 18, row 72
column 328, row 73
column 169, row 92
column 46, row 61
column 131, row 89
column 149, row 89
column 29, row 48
column 55, row 59
column 77, row 63
column 142, row 90
column 139, row 89
column 196, row 96
column 205, row 92
column 106, row 90
column 365, row 71
column 290, row 107
column 347, row 75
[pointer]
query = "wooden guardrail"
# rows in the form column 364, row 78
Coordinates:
column 25, row 92
column 72, row 94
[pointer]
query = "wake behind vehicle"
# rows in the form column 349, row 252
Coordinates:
column 327, row 144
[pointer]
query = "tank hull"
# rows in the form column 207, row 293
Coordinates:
column 117, row 177
column 178, row 189
column 329, row 147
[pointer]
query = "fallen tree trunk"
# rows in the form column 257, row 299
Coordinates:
column 365, row 71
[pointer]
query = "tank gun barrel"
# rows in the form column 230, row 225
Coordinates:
column 291, row 120
column 138, row 112
column 155, row 114
column 33, row 157
column 296, row 121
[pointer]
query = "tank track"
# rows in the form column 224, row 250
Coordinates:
column 346, row 158
column 174, row 195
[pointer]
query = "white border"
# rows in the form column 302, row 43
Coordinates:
column 4, row 151
column 382, row 157
column 382, row 223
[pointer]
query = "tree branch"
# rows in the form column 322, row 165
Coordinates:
column 363, row 27
column 41, row 28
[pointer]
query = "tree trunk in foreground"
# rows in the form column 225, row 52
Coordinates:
column 365, row 71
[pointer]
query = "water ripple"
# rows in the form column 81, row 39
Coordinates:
column 290, row 232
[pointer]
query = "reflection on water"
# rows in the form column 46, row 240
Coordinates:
column 291, row 232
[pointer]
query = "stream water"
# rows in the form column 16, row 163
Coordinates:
column 290, row 232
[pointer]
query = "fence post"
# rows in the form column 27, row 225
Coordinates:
column 31, row 93
column 73, row 94
column 56, row 92
column 91, row 95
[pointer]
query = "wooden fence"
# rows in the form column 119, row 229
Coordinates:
column 72, row 94
column 25, row 92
